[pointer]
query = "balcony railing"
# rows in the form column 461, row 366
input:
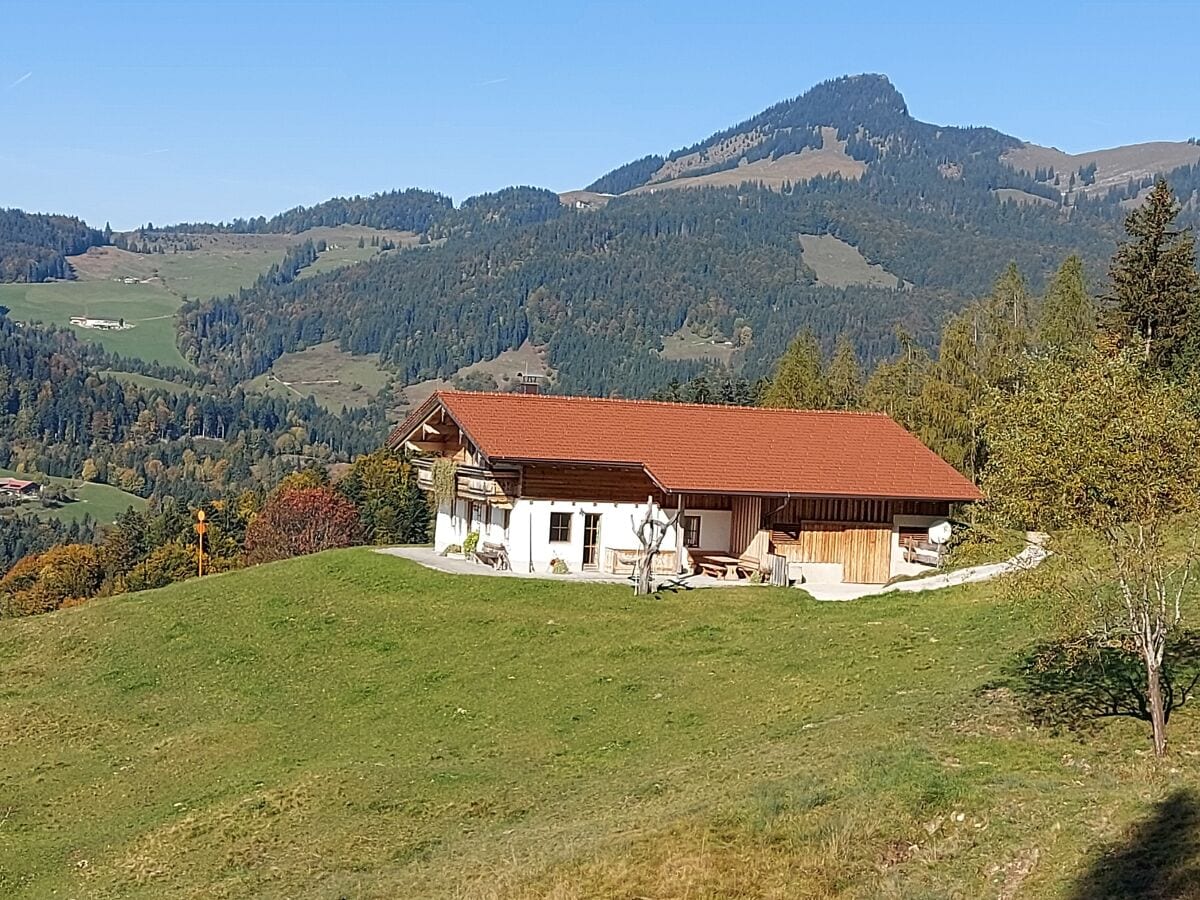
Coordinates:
column 474, row 482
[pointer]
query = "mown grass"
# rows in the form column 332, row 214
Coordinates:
column 351, row 724
column 149, row 307
column 102, row 502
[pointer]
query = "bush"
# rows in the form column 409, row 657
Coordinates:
column 47, row 581
column 471, row 543
column 299, row 520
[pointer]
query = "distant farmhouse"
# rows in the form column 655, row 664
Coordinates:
column 15, row 487
column 844, row 497
column 101, row 324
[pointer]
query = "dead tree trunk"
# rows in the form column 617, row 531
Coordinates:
column 650, row 534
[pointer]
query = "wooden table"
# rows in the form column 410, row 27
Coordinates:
column 718, row 566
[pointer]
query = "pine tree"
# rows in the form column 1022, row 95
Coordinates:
column 799, row 380
column 844, row 377
column 1068, row 318
column 1003, row 332
column 896, row 386
column 1156, row 288
column 951, row 396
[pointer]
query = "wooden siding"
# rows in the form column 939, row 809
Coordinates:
column 589, row 483
column 700, row 501
column 817, row 542
column 867, row 554
column 864, row 549
column 920, row 508
column 831, row 509
column 744, row 524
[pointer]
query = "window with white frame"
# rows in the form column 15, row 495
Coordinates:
column 691, row 532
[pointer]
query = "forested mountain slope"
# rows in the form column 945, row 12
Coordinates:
column 33, row 247
column 940, row 211
column 61, row 415
column 599, row 288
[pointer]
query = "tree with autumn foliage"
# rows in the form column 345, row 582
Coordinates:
column 63, row 575
column 392, row 508
column 299, row 520
column 1104, row 447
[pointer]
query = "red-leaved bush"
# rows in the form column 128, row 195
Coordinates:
column 299, row 520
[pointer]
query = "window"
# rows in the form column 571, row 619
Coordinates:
column 560, row 527
column 691, row 531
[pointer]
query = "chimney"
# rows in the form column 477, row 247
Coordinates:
column 529, row 383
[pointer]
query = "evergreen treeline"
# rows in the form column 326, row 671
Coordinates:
column 58, row 416
column 23, row 535
column 402, row 210
column 34, row 247
column 627, row 177
column 601, row 288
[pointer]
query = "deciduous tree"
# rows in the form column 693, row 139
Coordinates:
column 300, row 520
column 1111, row 450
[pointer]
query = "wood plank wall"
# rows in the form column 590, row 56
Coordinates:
column 867, row 554
column 603, row 485
column 744, row 524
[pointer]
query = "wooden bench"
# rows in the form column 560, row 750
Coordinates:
column 494, row 555
column 924, row 552
column 622, row 562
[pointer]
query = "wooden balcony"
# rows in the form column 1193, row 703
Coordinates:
column 496, row 486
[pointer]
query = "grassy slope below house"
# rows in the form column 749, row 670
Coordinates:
column 353, row 725
column 102, row 502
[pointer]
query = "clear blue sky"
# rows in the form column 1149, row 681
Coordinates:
column 166, row 110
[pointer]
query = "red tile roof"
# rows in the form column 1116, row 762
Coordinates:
column 706, row 449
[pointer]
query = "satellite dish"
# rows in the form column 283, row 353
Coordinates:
column 939, row 532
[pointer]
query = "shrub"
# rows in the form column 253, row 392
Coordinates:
column 470, row 543
column 299, row 520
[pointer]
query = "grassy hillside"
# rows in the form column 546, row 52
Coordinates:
column 222, row 264
column 353, row 725
column 102, row 502
column 150, row 308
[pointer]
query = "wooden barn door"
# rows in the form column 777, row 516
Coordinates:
column 867, row 554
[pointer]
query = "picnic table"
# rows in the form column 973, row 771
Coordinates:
column 718, row 565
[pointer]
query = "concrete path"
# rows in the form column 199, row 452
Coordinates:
column 454, row 565
column 1029, row 558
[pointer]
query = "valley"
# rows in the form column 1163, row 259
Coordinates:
column 800, row 499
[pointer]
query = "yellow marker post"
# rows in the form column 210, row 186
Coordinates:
column 200, row 529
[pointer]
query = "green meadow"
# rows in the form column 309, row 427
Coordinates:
column 353, row 725
column 149, row 307
column 102, row 502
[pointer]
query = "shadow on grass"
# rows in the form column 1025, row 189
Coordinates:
column 1159, row 859
column 1072, row 687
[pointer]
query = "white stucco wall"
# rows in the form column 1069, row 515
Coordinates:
column 452, row 526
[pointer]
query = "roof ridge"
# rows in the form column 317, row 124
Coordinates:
column 675, row 404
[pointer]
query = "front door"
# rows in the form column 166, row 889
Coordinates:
column 591, row 540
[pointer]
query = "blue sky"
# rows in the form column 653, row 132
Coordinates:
column 168, row 111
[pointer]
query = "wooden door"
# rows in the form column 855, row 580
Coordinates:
column 591, row 540
column 867, row 554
